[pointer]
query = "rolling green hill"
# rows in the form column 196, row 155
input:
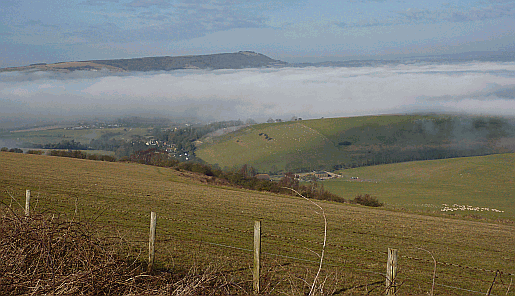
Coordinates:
column 484, row 183
column 269, row 147
column 205, row 225
column 358, row 141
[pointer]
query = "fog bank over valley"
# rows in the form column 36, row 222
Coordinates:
column 486, row 88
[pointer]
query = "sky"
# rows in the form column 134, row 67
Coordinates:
column 289, row 30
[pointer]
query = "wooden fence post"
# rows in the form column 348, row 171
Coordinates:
column 27, row 203
column 152, row 240
column 257, row 253
column 391, row 271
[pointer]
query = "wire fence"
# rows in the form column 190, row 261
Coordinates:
column 290, row 244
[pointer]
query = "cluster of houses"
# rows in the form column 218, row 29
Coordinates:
column 294, row 118
column 308, row 177
column 168, row 147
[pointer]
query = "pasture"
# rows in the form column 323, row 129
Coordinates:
column 332, row 143
column 57, row 135
column 200, row 224
column 484, row 182
column 269, row 147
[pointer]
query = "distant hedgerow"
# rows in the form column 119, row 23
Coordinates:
column 37, row 152
column 81, row 155
column 367, row 200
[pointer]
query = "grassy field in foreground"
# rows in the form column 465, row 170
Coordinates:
column 486, row 182
column 202, row 224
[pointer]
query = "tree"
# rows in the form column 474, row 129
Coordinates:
column 243, row 171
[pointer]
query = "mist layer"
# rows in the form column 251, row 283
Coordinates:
column 474, row 88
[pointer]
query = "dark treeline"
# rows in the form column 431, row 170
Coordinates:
column 107, row 142
column 13, row 150
column 422, row 139
column 64, row 153
column 81, row 155
column 395, row 156
column 65, row 144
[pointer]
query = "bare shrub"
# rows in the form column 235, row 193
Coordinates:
column 47, row 254
column 37, row 152
column 367, row 200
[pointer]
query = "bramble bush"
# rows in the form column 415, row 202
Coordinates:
column 16, row 150
column 367, row 200
column 37, row 152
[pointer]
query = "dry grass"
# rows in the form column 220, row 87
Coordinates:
column 48, row 254
column 193, row 216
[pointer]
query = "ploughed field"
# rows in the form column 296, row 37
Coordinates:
column 200, row 224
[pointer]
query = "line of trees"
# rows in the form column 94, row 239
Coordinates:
column 64, row 153
column 81, row 155
column 242, row 178
column 65, row 144
column 245, row 177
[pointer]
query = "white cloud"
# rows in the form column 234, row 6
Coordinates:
column 486, row 88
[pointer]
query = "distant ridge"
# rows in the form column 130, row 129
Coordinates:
column 250, row 59
column 237, row 60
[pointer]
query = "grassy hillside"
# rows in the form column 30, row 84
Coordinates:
column 57, row 135
column 359, row 141
column 269, row 147
column 197, row 222
column 237, row 60
column 425, row 186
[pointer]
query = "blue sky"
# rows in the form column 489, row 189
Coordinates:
column 290, row 30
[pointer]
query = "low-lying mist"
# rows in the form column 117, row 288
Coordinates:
column 486, row 88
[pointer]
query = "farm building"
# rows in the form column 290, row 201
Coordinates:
column 263, row 177
column 321, row 174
